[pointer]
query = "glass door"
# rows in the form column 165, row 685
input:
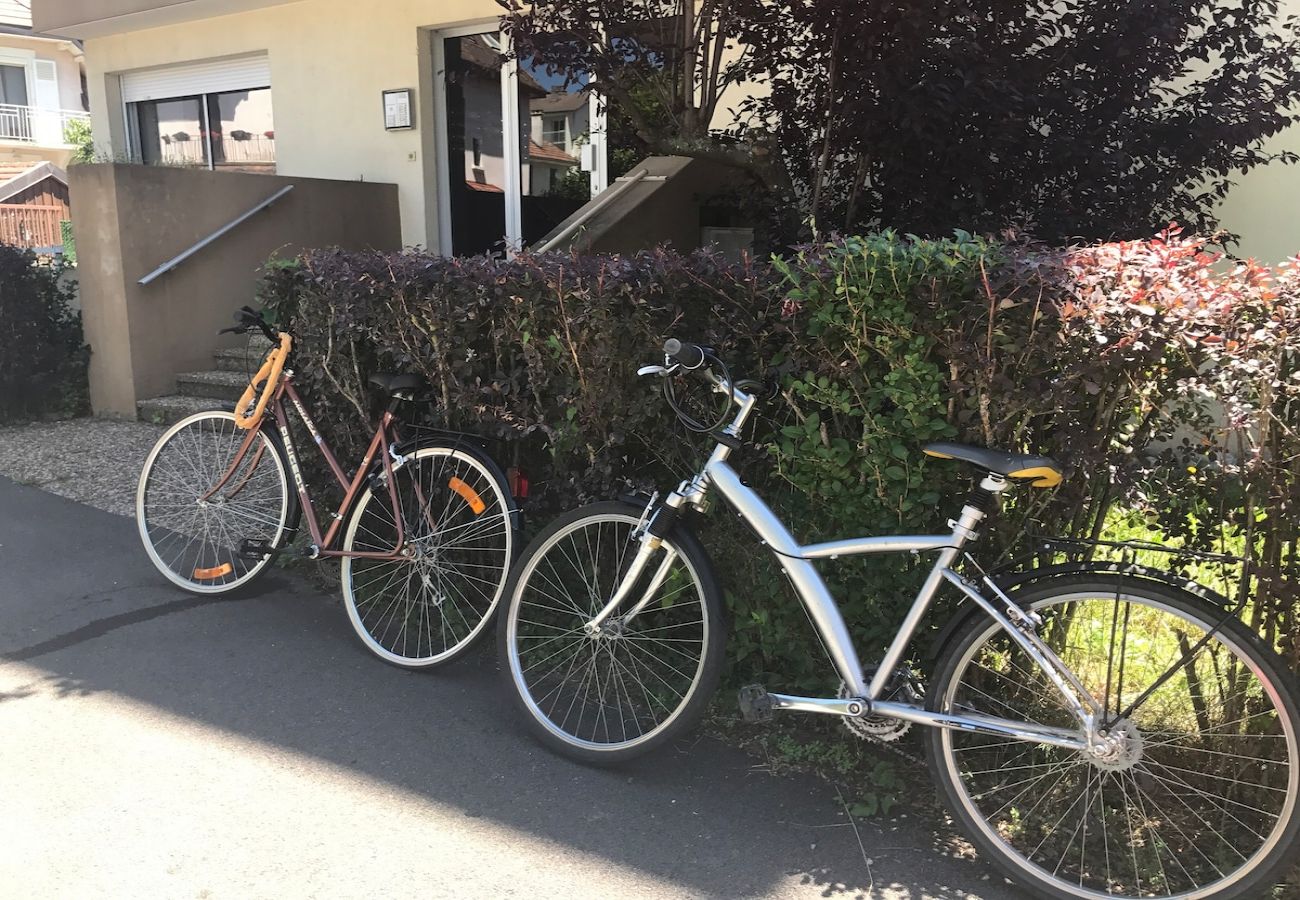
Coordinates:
column 518, row 146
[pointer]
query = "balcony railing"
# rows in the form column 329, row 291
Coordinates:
column 34, row 125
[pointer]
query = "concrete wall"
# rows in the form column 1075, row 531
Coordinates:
column 131, row 219
column 330, row 62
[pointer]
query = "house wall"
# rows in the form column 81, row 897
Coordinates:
column 132, row 219
column 330, row 62
column 65, row 62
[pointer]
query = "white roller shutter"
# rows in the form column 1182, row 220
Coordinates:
column 210, row 77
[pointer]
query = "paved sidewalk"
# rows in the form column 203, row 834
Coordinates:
column 159, row 745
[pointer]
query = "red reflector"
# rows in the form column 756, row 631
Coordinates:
column 518, row 482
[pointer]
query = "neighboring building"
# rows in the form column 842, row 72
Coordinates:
column 560, row 128
column 41, row 90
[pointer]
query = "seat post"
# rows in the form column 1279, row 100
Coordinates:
column 984, row 496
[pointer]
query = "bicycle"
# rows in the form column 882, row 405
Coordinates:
column 425, row 532
column 1098, row 731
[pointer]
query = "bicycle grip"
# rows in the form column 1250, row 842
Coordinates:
column 685, row 354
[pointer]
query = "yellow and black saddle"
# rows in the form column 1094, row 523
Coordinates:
column 1036, row 471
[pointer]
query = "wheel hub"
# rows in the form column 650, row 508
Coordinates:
column 1119, row 749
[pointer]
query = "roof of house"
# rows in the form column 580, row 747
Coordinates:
column 559, row 102
column 483, row 187
column 548, row 152
column 16, row 177
column 475, row 51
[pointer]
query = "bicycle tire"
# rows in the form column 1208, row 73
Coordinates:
column 628, row 658
column 466, row 577
column 1161, row 832
column 256, row 503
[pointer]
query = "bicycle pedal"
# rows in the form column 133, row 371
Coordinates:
column 255, row 550
column 755, row 704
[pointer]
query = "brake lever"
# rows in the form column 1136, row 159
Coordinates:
column 661, row 371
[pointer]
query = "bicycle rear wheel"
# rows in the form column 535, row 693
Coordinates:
column 1198, row 797
column 193, row 533
column 610, row 697
column 433, row 603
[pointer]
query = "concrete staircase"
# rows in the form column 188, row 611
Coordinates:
column 216, row 388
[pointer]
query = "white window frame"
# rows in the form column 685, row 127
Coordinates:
column 131, row 118
column 563, row 143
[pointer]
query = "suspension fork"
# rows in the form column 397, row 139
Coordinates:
column 652, row 540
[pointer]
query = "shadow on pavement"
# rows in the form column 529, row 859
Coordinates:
column 280, row 665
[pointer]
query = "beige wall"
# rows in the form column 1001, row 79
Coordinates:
column 131, row 219
column 330, row 61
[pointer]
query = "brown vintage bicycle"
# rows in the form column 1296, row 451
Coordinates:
column 425, row 531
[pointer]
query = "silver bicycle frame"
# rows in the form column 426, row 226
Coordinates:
column 796, row 561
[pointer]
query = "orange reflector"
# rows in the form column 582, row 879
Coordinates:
column 469, row 494
column 214, row 573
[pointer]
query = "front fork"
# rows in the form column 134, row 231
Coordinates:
column 655, row 525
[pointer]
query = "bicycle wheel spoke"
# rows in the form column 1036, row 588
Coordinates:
column 1189, row 791
column 625, row 682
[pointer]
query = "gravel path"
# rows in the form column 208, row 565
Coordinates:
column 93, row 461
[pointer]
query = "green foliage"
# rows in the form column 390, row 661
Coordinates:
column 43, row 363
column 77, row 133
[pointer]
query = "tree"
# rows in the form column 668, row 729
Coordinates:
column 1071, row 118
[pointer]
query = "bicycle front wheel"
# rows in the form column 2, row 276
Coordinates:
column 198, row 500
column 430, row 604
column 640, row 681
column 1197, row 797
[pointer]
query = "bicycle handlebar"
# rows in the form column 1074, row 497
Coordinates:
column 250, row 319
column 684, row 353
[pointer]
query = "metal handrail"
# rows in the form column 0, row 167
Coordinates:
column 229, row 226
column 602, row 200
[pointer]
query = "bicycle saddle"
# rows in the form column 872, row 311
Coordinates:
column 1037, row 471
column 392, row 383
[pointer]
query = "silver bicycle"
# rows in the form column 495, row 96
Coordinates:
column 1097, row 732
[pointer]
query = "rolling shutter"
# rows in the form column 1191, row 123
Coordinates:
column 185, row 80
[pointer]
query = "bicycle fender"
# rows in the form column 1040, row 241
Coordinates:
column 1011, row 581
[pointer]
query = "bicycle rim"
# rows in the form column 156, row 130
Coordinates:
column 1203, row 785
column 632, row 684
column 194, row 538
column 433, row 603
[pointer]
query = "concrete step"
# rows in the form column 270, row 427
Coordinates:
column 245, row 362
column 216, row 385
column 171, row 409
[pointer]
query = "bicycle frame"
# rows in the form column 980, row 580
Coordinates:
column 379, row 444
column 796, row 560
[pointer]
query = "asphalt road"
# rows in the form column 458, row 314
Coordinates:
column 154, row 744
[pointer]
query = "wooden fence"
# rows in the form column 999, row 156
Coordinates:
column 32, row 225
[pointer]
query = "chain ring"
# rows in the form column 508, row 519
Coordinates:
column 879, row 729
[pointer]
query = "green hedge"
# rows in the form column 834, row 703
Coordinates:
column 1104, row 357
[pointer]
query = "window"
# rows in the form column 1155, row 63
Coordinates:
column 553, row 131
column 13, row 85
column 230, row 130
